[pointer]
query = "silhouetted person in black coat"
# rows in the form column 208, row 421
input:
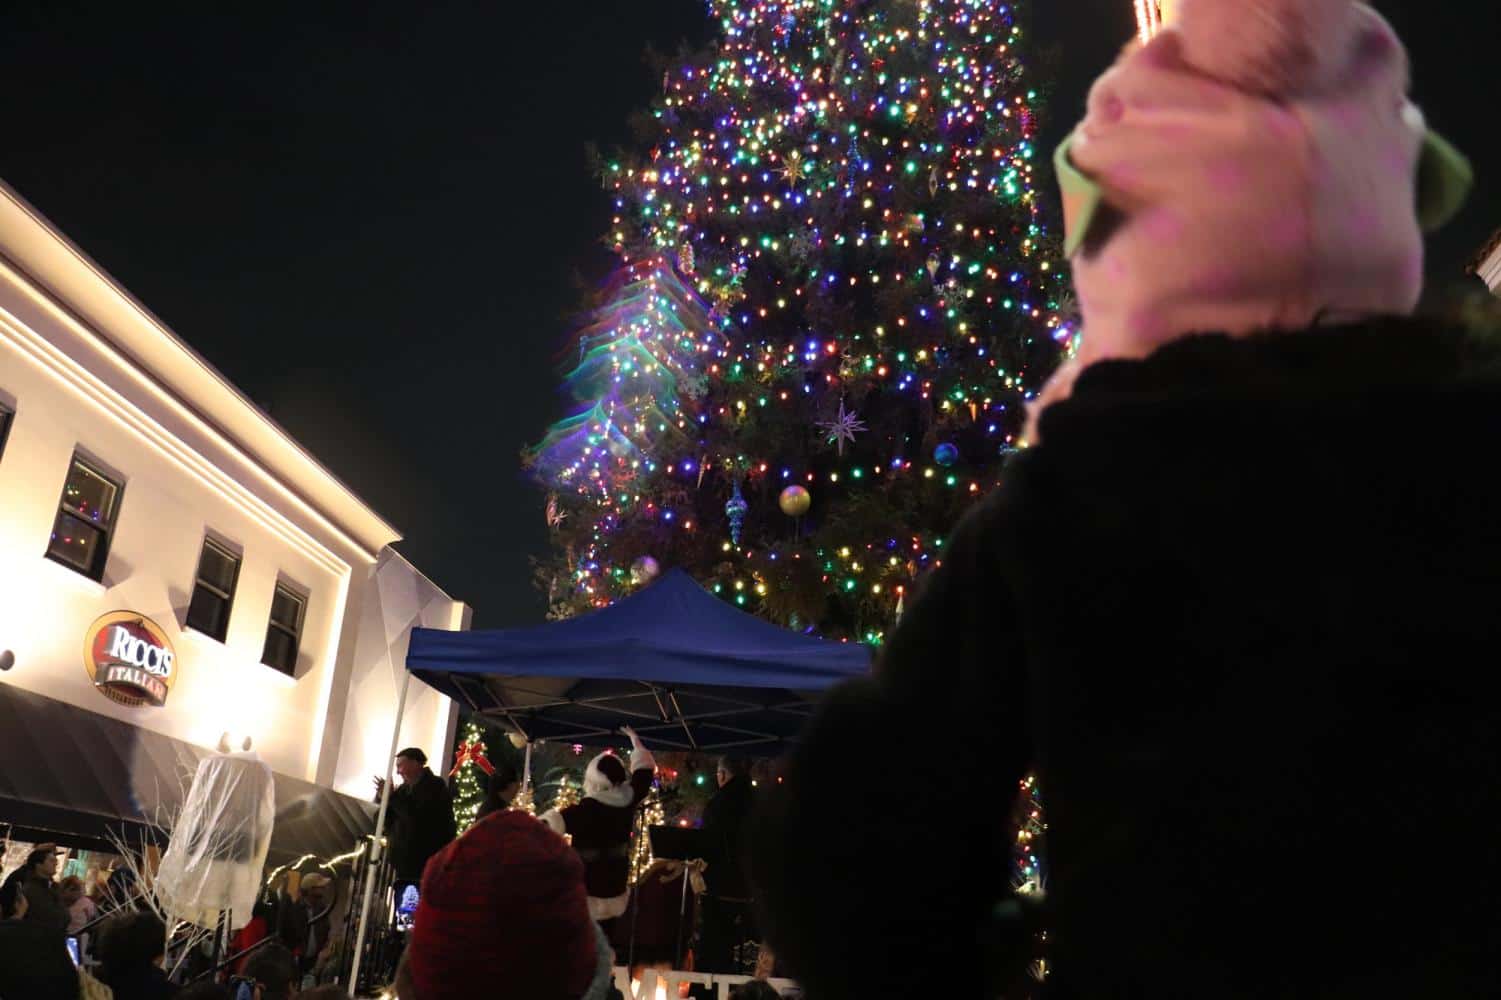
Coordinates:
column 34, row 962
column 726, row 904
column 1239, row 610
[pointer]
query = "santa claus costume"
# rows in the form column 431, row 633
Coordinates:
column 599, row 826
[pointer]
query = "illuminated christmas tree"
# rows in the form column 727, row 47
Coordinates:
column 471, row 769
column 652, row 815
column 837, row 291
column 567, row 794
column 1029, row 866
column 525, row 801
column 1031, row 831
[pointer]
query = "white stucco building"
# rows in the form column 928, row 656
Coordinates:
column 256, row 594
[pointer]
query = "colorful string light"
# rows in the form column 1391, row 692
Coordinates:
column 836, row 214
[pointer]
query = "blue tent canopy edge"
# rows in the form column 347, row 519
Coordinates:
column 685, row 668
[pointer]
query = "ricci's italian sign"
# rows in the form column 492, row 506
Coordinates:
column 130, row 659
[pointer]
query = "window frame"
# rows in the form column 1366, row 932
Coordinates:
column 272, row 625
column 98, row 469
column 228, row 552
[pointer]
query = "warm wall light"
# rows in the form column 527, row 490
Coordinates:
column 1148, row 18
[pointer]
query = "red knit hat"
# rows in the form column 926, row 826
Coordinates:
column 503, row 911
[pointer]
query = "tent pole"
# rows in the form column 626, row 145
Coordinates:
column 635, row 890
column 677, row 956
column 380, row 830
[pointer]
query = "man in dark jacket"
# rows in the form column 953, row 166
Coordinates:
column 419, row 817
column 727, row 921
column 1239, row 610
column 43, row 906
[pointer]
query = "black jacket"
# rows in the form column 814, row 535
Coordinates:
column 295, row 919
column 1241, row 610
column 43, row 906
column 34, row 963
column 726, row 817
column 421, row 822
column 143, row 983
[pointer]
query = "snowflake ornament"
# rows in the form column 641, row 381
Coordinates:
column 794, row 168
column 845, row 425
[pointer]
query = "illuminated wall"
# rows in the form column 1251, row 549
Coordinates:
column 87, row 369
column 395, row 599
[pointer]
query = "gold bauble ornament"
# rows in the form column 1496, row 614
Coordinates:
column 795, row 501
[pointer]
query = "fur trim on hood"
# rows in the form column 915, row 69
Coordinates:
column 598, row 787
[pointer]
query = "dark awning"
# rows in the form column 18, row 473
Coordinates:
column 76, row 776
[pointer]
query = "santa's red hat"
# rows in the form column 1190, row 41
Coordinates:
column 503, row 913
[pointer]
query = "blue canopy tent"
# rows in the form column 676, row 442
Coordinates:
column 686, row 669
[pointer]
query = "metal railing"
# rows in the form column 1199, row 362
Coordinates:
column 270, row 938
column 379, row 948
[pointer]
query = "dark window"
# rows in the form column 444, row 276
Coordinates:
column 283, row 631
column 5, row 417
column 85, row 520
column 213, row 590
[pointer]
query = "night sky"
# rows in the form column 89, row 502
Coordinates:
column 376, row 218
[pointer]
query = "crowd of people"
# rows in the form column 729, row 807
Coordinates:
column 557, row 881
column 40, row 914
column 558, row 884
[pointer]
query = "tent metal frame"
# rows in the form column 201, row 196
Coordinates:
column 654, row 726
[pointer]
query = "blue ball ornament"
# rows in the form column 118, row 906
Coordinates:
column 946, row 454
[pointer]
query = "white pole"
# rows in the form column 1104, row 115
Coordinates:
column 380, row 830
column 526, row 767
